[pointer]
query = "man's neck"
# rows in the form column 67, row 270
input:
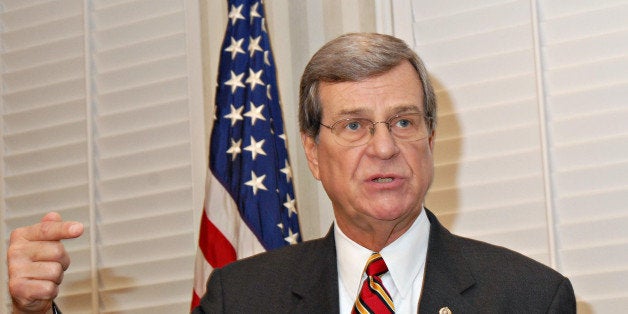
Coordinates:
column 375, row 234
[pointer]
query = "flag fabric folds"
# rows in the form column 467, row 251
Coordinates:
column 250, row 204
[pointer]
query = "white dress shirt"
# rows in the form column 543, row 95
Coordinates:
column 405, row 258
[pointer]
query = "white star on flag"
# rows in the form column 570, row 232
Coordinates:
column 257, row 183
column 235, row 48
column 268, row 95
column 235, row 115
column 254, row 45
column 235, row 149
column 287, row 171
column 255, row 113
column 292, row 237
column 236, row 13
column 235, row 81
column 290, row 204
column 254, row 12
column 256, row 147
column 266, row 60
column 254, row 78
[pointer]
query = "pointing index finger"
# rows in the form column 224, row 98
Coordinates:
column 52, row 228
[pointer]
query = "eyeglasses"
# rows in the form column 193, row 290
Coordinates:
column 358, row 131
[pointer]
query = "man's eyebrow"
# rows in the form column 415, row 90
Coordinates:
column 350, row 112
column 406, row 108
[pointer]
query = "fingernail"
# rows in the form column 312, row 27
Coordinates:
column 75, row 228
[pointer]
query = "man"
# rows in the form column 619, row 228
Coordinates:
column 367, row 114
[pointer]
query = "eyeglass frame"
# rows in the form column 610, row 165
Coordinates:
column 387, row 122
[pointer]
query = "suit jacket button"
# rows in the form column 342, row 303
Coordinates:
column 444, row 310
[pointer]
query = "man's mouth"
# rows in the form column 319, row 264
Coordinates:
column 382, row 180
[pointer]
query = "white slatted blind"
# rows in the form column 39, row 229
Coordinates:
column 489, row 181
column 44, row 123
column 116, row 148
column 531, row 148
column 585, row 49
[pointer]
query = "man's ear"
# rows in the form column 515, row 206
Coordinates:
column 431, row 140
column 311, row 153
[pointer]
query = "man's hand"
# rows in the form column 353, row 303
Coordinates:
column 37, row 259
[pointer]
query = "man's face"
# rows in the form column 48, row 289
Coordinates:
column 385, row 180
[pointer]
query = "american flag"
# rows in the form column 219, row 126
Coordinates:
column 249, row 202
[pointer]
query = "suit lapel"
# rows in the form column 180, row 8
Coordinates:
column 447, row 275
column 316, row 289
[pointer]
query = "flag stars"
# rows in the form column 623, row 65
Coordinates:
column 254, row 12
column 235, row 115
column 255, row 113
column 256, row 148
column 257, row 183
column 287, row 171
column 235, row 81
column 235, row 149
column 235, row 47
column 266, row 58
column 254, row 45
column 290, row 204
column 254, row 78
column 236, row 13
column 268, row 95
column 292, row 238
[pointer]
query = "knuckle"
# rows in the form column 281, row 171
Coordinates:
column 46, row 228
column 49, row 290
column 15, row 269
column 12, row 254
column 16, row 235
column 56, row 271
column 56, row 252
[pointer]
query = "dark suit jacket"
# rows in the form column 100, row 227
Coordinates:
column 465, row 275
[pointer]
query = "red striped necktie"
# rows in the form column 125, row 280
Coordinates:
column 374, row 298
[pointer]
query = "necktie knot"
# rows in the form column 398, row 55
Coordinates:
column 376, row 266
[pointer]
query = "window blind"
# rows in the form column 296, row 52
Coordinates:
column 98, row 106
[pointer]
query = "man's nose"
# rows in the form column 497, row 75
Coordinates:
column 382, row 143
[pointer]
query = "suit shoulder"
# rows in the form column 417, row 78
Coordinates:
column 285, row 257
column 494, row 259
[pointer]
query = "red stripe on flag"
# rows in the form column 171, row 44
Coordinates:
column 196, row 300
column 217, row 250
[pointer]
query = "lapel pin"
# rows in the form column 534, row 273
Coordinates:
column 444, row 310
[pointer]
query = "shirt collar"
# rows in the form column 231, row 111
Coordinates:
column 404, row 257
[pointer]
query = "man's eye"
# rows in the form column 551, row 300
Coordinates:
column 353, row 125
column 403, row 123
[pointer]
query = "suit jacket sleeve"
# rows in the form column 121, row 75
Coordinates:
column 211, row 302
column 564, row 300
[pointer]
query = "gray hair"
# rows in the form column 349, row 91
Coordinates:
column 351, row 58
